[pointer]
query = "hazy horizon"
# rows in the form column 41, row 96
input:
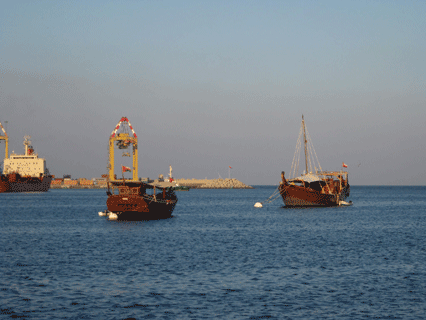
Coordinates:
column 208, row 85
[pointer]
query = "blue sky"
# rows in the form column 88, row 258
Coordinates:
column 212, row 84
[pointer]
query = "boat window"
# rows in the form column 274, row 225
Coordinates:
column 297, row 183
column 134, row 190
column 317, row 185
column 123, row 190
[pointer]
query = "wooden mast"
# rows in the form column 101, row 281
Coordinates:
column 306, row 142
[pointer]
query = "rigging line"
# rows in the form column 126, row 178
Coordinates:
column 312, row 151
column 299, row 148
column 308, row 139
column 314, row 159
column 317, row 160
column 301, row 143
column 296, row 158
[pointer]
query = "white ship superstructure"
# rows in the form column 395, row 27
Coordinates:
column 28, row 164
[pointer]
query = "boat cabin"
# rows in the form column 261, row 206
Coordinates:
column 139, row 189
column 324, row 182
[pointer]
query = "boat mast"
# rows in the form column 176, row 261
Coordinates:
column 26, row 144
column 306, row 142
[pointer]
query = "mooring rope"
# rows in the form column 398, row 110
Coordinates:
column 275, row 195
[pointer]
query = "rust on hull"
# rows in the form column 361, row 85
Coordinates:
column 15, row 183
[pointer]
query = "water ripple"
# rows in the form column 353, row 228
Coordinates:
column 218, row 257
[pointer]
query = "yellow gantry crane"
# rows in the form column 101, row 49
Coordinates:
column 6, row 139
column 123, row 140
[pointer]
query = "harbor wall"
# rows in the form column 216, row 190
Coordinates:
column 205, row 184
column 191, row 183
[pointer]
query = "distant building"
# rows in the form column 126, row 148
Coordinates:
column 100, row 182
column 56, row 182
column 69, row 182
column 85, row 182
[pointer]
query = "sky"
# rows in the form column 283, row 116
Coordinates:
column 212, row 84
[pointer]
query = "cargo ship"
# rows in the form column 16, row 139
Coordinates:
column 24, row 172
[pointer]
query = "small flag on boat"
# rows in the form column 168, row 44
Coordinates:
column 344, row 165
column 230, row 167
column 124, row 169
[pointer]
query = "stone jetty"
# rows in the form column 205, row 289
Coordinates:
column 205, row 183
column 190, row 183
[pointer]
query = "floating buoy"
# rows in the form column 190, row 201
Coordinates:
column 344, row 203
column 103, row 213
column 258, row 205
column 112, row 216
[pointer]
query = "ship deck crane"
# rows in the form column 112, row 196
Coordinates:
column 6, row 139
column 123, row 140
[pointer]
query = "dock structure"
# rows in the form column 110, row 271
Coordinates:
column 100, row 183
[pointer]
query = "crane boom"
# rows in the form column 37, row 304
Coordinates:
column 6, row 139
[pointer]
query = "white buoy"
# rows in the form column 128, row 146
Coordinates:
column 102, row 213
column 344, row 203
column 258, row 205
column 112, row 216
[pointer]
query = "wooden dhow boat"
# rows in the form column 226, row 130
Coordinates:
column 136, row 200
column 315, row 187
column 133, row 199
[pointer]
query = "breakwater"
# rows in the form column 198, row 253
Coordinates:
column 77, row 186
column 205, row 184
column 190, row 183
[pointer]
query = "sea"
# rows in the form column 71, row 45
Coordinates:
column 218, row 257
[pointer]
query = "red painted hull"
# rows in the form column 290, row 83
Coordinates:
column 297, row 196
column 134, row 204
column 16, row 183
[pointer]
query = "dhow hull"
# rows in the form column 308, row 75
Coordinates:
column 296, row 196
column 132, row 208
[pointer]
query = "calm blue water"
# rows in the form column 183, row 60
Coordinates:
column 218, row 257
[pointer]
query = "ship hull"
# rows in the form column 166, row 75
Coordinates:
column 296, row 196
column 15, row 183
column 136, row 207
column 4, row 184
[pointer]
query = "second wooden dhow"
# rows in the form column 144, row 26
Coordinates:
column 315, row 187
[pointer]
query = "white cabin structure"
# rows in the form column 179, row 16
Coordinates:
column 28, row 164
